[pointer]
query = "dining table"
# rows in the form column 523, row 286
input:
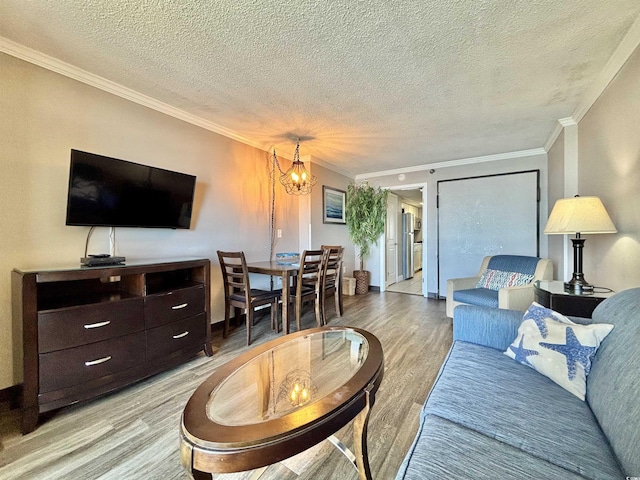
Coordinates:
column 286, row 271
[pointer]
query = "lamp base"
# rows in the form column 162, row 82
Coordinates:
column 578, row 286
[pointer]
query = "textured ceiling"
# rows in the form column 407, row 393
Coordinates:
column 368, row 85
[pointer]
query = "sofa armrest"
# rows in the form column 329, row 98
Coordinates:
column 491, row 327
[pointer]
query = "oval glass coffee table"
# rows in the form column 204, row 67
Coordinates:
column 281, row 398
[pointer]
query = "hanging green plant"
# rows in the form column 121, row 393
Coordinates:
column 366, row 213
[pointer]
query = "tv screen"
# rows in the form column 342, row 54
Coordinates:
column 108, row 192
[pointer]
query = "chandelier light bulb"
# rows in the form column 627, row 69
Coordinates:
column 296, row 180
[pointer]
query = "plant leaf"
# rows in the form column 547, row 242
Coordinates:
column 365, row 213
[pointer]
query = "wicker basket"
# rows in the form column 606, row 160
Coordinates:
column 363, row 278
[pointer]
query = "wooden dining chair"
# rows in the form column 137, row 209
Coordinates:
column 307, row 284
column 331, row 279
column 239, row 294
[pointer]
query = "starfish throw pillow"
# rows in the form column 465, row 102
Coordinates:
column 558, row 348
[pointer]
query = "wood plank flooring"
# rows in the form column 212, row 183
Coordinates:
column 133, row 434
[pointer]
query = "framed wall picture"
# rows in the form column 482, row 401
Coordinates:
column 333, row 205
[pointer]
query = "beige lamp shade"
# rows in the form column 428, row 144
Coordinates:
column 584, row 215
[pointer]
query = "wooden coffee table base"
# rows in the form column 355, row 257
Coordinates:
column 360, row 459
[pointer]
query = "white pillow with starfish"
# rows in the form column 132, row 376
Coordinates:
column 558, row 348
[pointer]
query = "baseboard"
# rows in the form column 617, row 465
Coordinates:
column 217, row 326
column 10, row 398
column 374, row 289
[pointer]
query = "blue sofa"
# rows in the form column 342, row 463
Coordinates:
column 489, row 417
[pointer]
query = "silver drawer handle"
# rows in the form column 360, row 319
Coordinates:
column 98, row 361
column 180, row 335
column 97, row 325
column 178, row 307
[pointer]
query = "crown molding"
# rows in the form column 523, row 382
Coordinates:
column 53, row 64
column 454, row 163
column 567, row 122
column 559, row 126
column 553, row 136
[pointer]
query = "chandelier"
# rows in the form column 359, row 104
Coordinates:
column 297, row 180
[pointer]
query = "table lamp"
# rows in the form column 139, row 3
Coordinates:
column 579, row 215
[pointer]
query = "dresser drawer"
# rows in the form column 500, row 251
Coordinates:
column 190, row 332
column 74, row 366
column 164, row 308
column 79, row 325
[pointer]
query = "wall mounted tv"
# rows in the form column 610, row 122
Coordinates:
column 108, row 192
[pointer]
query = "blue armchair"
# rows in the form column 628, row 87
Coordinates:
column 503, row 281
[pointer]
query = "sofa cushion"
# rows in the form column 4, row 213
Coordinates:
column 477, row 296
column 613, row 386
column 497, row 279
column 484, row 391
column 443, row 449
column 554, row 346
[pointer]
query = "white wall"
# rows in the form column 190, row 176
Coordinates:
column 43, row 115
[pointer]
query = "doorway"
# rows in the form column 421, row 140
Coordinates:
column 404, row 241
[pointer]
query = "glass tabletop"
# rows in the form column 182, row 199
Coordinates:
column 287, row 377
column 556, row 287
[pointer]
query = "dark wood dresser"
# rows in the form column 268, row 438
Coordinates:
column 91, row 330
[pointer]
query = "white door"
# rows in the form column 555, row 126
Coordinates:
column 391, row 239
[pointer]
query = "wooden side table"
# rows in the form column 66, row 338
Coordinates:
column 551, row 294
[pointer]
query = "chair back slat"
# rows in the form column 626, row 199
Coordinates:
column 310, row 271
column 331, row 278
column 235, row 274
column 238, row 292
column 332, row 268
column 307, row 282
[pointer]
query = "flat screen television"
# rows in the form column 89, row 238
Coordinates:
column 109, row 192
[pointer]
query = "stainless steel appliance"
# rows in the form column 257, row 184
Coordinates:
column 408, row 224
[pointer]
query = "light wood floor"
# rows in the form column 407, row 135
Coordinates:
column 134, row 433
column 412, row 286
